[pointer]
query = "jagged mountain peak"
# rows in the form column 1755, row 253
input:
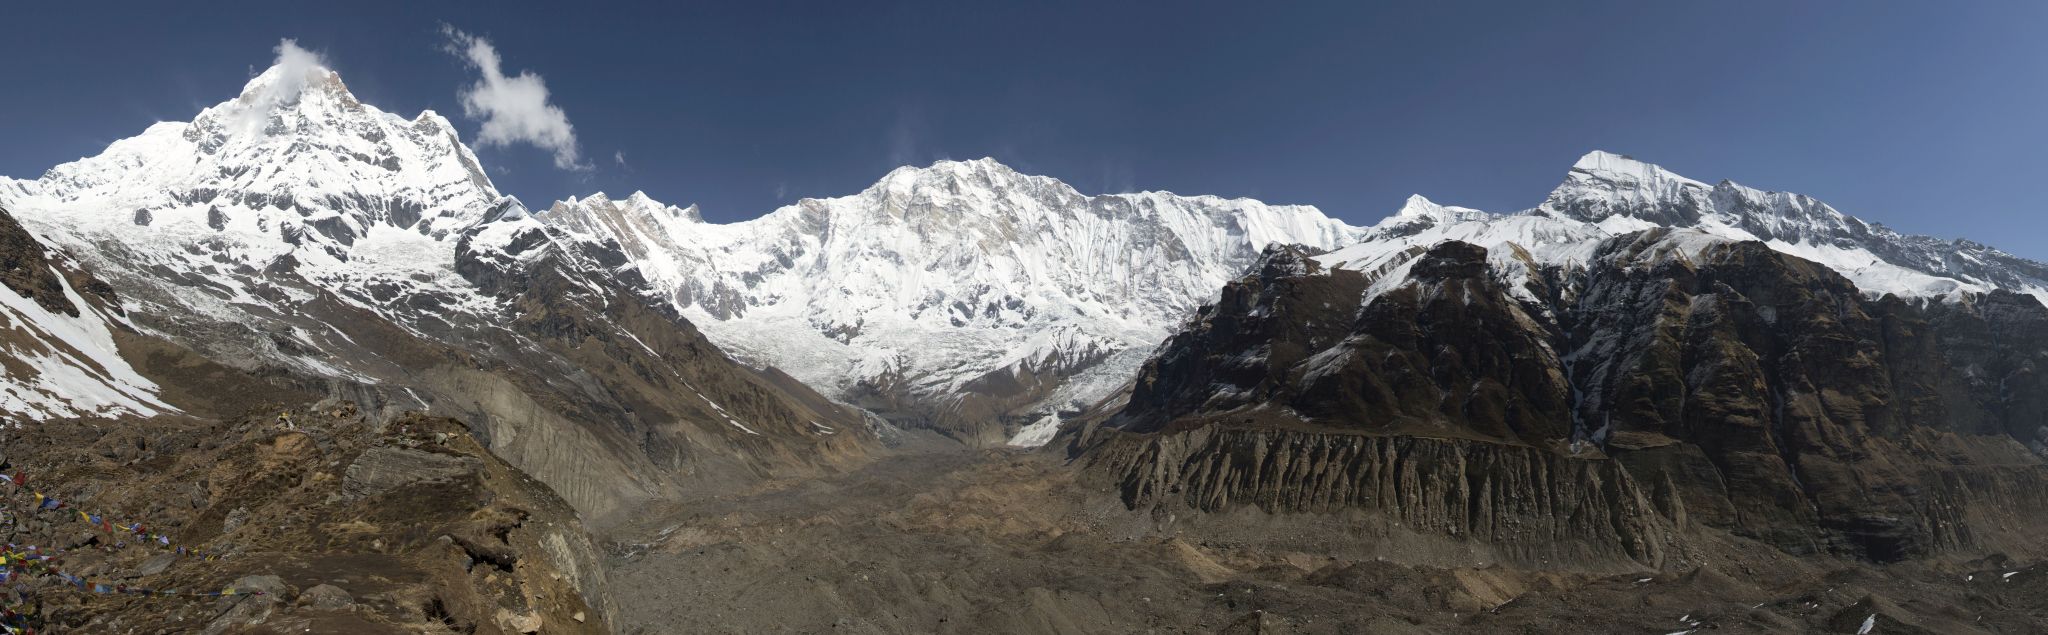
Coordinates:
column 947, row 188
column 288, row 83
column 640, row 202
column 1607, row 195
column 955, row 293
column 1621, row 193
column 641, row 199
column 1604, row 185
column 1609, row 164
column 293, row 160
column 987, row 176
column 586, row 214
column 985, row 168
column 1419, row 207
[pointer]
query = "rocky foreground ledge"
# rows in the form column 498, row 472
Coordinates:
column 319, row 519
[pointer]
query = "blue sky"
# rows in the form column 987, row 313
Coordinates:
column 1929, row 117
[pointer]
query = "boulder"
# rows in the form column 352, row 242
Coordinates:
column 156, row 564
column 255, row 600
column 382, row 469
column 326, row 597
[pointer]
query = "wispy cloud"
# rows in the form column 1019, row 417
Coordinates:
column 295, row 64
column 906, row 137
column 513, row 109
column 1117, row 176
column 288, row 75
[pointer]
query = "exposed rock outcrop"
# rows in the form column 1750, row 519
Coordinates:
column 1531, row 504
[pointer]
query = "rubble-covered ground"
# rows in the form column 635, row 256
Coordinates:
column 1014, row 543
column 350, row 526
column 324, row 521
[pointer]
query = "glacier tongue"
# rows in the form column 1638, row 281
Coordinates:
column 953, row 294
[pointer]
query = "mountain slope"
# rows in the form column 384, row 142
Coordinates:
column 304, row 236
column 960, row 295
column 1680, row 353
column 57, row 330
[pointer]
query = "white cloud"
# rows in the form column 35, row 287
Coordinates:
column 513, row 109
column 619, row 157
column 295, row 64
column 289, row 72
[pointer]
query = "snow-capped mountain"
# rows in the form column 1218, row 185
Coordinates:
column 952, row 295
column 299, row 234
column 289, row 193
column 1606, row 195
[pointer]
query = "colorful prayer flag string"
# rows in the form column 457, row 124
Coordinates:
column 45, row 502
column 18, row 565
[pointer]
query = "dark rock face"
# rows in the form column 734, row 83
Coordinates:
column 1742, row 390
column 1458, row 358
column 1834, row 422
column 26, row 269
column 1532, row 499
